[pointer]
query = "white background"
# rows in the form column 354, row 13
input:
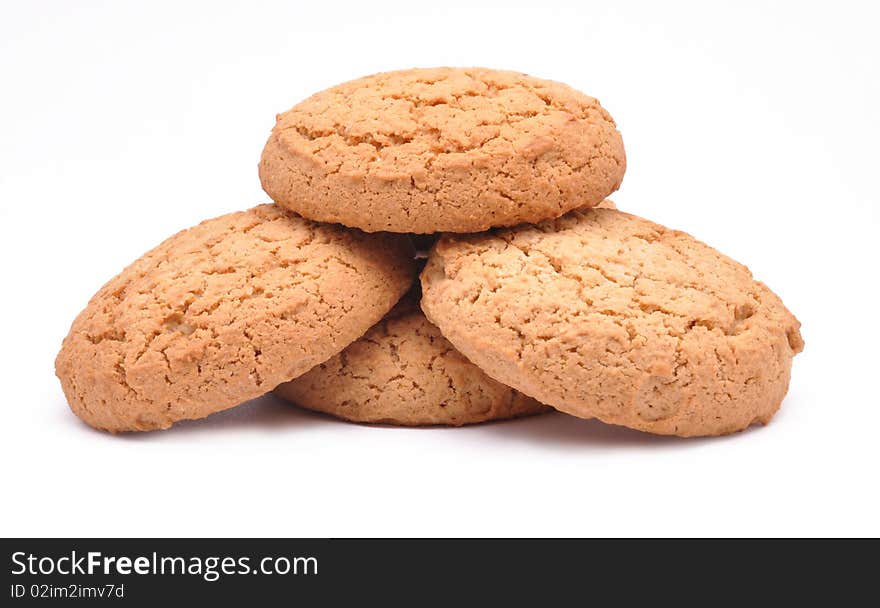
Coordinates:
column 754, row 127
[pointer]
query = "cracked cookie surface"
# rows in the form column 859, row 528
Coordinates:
column 404, row 372
column 603, row 314
column 223, row 312
column 442, row 150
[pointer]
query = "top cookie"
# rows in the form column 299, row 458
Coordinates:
column 604, row 314
column 442, row 150
column 223, row 312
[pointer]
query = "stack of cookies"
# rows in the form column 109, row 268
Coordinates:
column 534, row 292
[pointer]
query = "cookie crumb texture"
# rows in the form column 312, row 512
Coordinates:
column 604, row 314
column 223, row 312
column 442, row 150
column 404, row 372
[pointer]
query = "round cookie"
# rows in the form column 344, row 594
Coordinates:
column 403, row 372
column 604, row 314
column 442, row 150
column 223, row 312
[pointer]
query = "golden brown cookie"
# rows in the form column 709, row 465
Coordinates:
column 604, row 314
column 442, row 150
column 224, row 312
column 403, row 372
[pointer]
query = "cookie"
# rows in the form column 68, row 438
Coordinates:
column 403, row 372
column 604, row 314
column 442, row 150
column 222, row 313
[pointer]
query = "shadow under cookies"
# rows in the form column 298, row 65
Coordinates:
column 553, row 430
column 560, row 431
